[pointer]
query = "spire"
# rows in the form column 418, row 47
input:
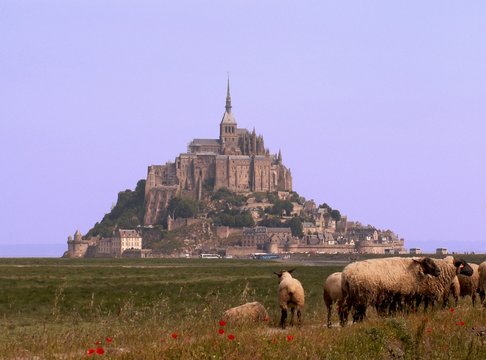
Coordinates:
column 228, row 98
column 279, row 158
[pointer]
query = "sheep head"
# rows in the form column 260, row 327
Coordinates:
column 283, row 273
column 428, row 266
column 463, row 268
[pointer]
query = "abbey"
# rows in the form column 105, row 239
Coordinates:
column 238, row 160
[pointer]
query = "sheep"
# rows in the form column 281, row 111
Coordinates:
column 290, row 295
column 378, row 281
column 470, row 284
column 332, row 293
column 482, row 282
column 249, row 312
column 438, row 288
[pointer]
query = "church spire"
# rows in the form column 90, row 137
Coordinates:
column 228, row 98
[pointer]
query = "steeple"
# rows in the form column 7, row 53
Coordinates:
column 228, row 98
column 279, row 158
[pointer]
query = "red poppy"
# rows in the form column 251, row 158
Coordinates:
column 266, row 318
column 90, row 352
column 290, row 338
column 221, row 331
column 100, row 351
column 451, row 310
column 98, row 342
column 109, row 339
column 222, row 323
column 460, row 323
column 429, row 330
column 274, row 340
column 231, row 337
column 174, row 335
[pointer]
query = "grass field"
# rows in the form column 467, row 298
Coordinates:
column 170, row 309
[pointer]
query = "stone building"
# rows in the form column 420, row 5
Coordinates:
column 237, row 160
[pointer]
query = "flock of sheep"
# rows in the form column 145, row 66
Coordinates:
column 389, row 285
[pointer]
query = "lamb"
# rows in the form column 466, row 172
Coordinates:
column 378, row 281
column 470, row 284
column 482, row 282
column 332, row 293
column 249, row 312
column 434, row 289
column 290, row 295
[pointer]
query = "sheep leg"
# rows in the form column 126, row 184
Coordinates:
column 283, row 318
column 473, row 298
column 329, row 308
column 292, row 310
column 299, row 317
column 359, row 313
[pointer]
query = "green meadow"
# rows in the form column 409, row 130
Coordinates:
column 171, row 309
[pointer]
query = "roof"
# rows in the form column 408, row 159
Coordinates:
column 205, row 142
column 228, row 118
column 128, row 233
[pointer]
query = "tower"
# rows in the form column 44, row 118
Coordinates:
column 228, row 136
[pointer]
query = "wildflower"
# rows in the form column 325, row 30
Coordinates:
column 274, row 340
column 231, row 337
column 109, row 339
column 451, row 310
column 222, row 323
column 174, row 335
column 98, row 342
column 460, row 323
column 90, row 352
column 429, row 330
column 100, row 351
column 266, row 318
column 221, row 331
column 290, row 338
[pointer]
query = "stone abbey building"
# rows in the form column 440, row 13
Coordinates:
column 237, row 160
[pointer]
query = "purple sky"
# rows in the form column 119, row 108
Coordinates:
column 379, row 107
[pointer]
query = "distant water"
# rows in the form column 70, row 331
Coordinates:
column 32, row 250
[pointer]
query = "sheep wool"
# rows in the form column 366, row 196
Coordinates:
column 249, row 312
column 332, row 293
column 482, row 282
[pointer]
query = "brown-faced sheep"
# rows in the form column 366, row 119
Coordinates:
column 438, row 288
column 249, row 312
column 332, row 294
column 377, row 282
column 290, row 295
column 470, row 284
column 482, row 282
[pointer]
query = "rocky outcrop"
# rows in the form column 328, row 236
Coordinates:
column 156, row 201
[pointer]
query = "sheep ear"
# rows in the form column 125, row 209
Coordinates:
column 290, row 271
column 277, row 273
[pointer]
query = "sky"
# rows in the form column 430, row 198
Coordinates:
column 378, row 107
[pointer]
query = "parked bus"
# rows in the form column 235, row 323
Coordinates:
column 265, row 256
column 210, row 256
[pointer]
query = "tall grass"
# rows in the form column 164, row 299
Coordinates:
column 171, row 310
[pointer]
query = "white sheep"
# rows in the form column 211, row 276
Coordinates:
column 470, row 284
column 332, row 294
column 377, row 282
column 249, row 312
column 482, row 282
column 290, row 295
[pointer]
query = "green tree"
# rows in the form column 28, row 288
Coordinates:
column 296, row 227
column 183, row 207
